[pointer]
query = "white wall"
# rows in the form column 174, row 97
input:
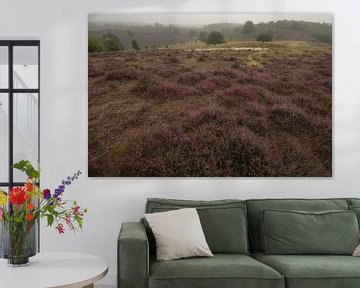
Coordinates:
column 61, row 25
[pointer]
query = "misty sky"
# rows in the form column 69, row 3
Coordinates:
column 204, row 19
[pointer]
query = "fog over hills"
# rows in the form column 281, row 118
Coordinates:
column 158, row 35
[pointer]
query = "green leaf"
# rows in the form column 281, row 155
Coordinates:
column 50, row 219
column 26, row 167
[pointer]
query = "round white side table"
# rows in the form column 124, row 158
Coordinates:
column 50, row 270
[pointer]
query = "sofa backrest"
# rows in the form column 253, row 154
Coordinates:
column 353, row 202
column 256, row 205
column 223, row 221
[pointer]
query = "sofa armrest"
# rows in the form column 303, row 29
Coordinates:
column 133, row 256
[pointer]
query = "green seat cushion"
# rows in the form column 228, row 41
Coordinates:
column 315, row 271
column 297, row 232
column 223, row 221
column 254, row 217
column 222, row 270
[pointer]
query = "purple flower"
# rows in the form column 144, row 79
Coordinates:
column 46, row 194
column 64, row 183
column 58, row 192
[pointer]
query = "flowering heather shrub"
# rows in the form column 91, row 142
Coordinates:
column 172, row 60
column 312, row 105
column 142, row 86
column 95, row 71
column 232, row 152
column 165, row 71
column 258, row 125
column 325, row 82
column 299, row 160
column 206, row 85
column 290, row 119
column 99, row 90
column 296, row 62
column 236, row 65
column 256, row 77
column 322, row 125
column 191, row 78
column 282, row 86
column 169, row 90
column 220, row 81
column 178, row 137
column 227, row 72
column 249, row 154
column 209, row 114
column 246, row 92
column 133, row 66
column 227, row 57
column 202, row 58
column 183, row 69
column 122, row 75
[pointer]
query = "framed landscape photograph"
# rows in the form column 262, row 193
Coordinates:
column 210, row 95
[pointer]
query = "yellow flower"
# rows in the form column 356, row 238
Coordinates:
column 3, row 198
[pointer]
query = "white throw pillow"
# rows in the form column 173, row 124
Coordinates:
column 178, row 234
column 357, row 251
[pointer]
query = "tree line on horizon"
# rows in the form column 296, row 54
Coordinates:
column 108, row 42
column 217, row 33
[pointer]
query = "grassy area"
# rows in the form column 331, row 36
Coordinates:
column 173, row 112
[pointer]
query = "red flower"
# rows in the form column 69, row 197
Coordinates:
column 27, row 196
column 60, row 228
column 29, row 217
column 75, row 209
column 17, row 196
column 29, row 206
column 29, row 186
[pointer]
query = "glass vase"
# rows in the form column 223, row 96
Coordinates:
column 18, row 242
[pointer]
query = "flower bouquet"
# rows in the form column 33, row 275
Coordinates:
column 23, row 206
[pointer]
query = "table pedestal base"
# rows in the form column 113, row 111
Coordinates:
column 89, row 286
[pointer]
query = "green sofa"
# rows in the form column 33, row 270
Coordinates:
column 233, row 230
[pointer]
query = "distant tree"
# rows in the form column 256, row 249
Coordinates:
column 237, row 32
column 130, row 33
column 265, row 36
column 215, row 37
column 94, row 44
column 192, row 32
column 203, row 36
column 248, row 27
column 135, row 44
column 111, row 42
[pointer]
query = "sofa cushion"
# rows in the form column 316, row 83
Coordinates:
column 254, row 216
column 356, row 209
column 223, row 221
column 314, row 271
column 222, row 270
column 353, row 201
column 178, row 234
column 297, row 232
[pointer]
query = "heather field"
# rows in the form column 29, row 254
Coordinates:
column 212, row 112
